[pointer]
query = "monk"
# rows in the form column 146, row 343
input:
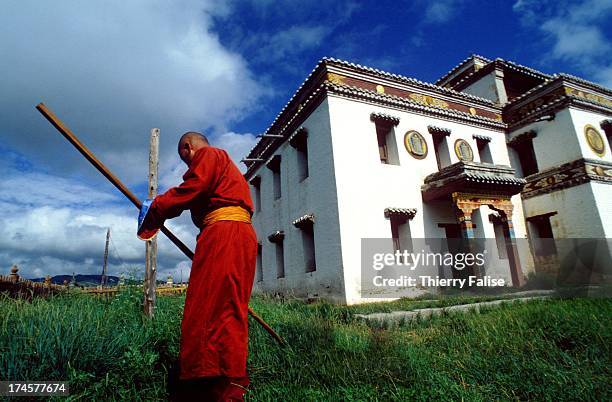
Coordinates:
column 214, row 329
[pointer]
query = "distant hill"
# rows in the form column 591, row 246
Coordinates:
column 82, row 280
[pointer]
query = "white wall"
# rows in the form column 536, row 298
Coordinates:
column 562, row 140
column 580, row 119
column 315, row 194
column 366, row 186
column 577, row 212
column 484, row 87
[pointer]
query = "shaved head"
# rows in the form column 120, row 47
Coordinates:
column 189, row 143
column 193, row 138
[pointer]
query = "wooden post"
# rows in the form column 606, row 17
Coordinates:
column 151, row 245
column 103, row 278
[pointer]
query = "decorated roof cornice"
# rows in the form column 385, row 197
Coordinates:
column 417, row 104
column 354, row 81
column 555, row 94
column 311, row 88
column 499, row 64
column 403, row 79
column 473, row 57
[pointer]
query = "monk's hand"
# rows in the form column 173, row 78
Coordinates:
column 143, row 211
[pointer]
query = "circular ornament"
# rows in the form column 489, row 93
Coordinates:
column 463, row 150
column 415, row 144
column 595, row 140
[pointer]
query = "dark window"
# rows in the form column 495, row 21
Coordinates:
column 256, row 183
column 484, row 151
column 440, row 145
column 400, row 233
column 542, row 235
column 382, row 146
column 259, row 266
column 300, row 143
column 275, row 166
column 606, row 126
column 309, row 248
column 387, row 147
column 527, row 157
column 280, row 259
column 277, row 238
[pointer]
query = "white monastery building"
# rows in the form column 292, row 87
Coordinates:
column 492, row 150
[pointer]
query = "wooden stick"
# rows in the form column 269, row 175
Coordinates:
column 150, row 281
column 65, row 131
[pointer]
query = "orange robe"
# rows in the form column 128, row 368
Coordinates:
column 214, row 330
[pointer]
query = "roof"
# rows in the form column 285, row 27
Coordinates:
column 473, row 58
column 306, row 92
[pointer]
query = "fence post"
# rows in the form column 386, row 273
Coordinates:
column 151, row 245
column 14, row 274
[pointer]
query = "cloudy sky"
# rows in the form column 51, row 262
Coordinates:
column 112, row 70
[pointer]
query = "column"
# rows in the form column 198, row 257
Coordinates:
column 505, row 211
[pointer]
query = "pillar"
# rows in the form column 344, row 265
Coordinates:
column 516, row 272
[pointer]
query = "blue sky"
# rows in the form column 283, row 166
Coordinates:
column 112, row 70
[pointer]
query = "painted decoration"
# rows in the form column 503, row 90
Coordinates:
column 595, row 140
column 415, row 144
column 464, row 151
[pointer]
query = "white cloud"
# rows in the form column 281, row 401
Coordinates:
column 112, row 70
column 441, row 11
column 575, row 32
column 237, row 145
column 292, row 41
column 54, row 225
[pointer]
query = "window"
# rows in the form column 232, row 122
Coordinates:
column 280, row 260
column 275, row 166
column 278, row 239
column 299, row 141
column 606, row 126
column 542, row 235
column 484, row 152
column 259, row 265
column 306, row 226
column 440, row 145
column 400, row 229
column 256, row 184
column 523, row 146
column 385, row 135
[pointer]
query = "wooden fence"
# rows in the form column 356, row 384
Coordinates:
column 18, row 287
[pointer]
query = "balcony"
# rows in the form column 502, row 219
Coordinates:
column 471, row 177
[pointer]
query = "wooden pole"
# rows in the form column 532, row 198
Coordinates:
column 103, row 279
column 151, row 245
column 65, row 131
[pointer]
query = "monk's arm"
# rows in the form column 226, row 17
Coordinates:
column 197, row 185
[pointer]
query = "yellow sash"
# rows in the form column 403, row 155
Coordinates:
column 235, row 213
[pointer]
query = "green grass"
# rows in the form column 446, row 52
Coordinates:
column 542, row 350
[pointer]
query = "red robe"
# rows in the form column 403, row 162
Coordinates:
column 214, row 330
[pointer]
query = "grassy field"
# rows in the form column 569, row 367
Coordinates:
column 555, row 349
